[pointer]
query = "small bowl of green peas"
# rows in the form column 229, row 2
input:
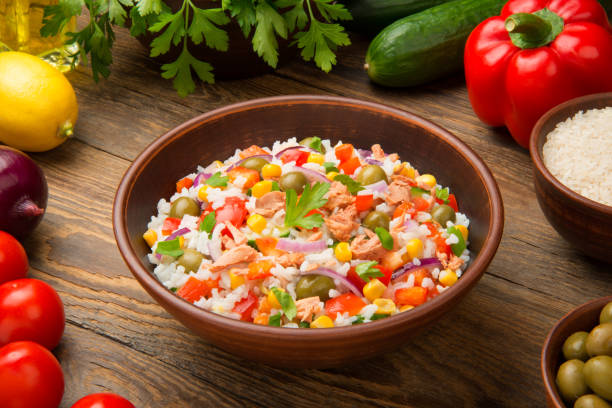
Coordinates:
column 577, row 358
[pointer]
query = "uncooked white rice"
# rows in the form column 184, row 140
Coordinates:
column 578, row 152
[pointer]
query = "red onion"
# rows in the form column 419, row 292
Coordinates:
column 23, row 192
column 201, row 177
column 279, row 154
column 373, row 161
column 409, row 224
column 425, row 263
column 336, row 276
column 292, row 245
column 267, row 157
column 364, row 153
column 379, row 187
column 311, row 175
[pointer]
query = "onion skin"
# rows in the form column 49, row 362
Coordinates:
column 23, row 193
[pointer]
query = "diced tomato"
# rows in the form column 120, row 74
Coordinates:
column 414, row 296
column 348, row 302
column 355, row 279
column 194, row 289
column 441, row 245
column 253, row 150
column 183, row 183
column 298, row 156
column 344, row 152
column 386, row 278
column 267, row 246
column 364, row 202
column 404, row 208
column 259, row 269
column 349, row 166
column 452, row 202
column 245, row 307
column 251, row 176
column 420, row 204
column 170, row 225
column 419, row 275
column 234, row 211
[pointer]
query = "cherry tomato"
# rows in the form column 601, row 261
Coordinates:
column 13, row 259
column 233, row 211
column 30, row 376
column 31, row 310
column 103, row 400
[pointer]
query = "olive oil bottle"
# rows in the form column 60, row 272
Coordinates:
column 20, row 23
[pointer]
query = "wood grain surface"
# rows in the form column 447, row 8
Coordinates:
column 483, row 354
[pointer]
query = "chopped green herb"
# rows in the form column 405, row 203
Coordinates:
column 285, row 234
column 417, row 191
column 275, row 320
column 359, row 320
column 286, row 302
column 253, row 244
column 173, row 289
column 385, row 238
column 443, row 194
column 208, row 223
column 377, row 316
column 311, row 199
column 352, row 185
column 217, row 180
column 170, row 248
column 330, row 166
column 316, row 144
column 304, row 325
column 366, row 271
column 275, row 186
column 460, row 246
column 249, row 192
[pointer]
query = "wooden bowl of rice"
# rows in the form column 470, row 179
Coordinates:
column 571, row 148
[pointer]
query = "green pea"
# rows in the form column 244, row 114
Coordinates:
column 182, row 206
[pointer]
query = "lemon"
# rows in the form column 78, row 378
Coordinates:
column 38, row 106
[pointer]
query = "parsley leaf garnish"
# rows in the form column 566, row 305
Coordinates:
column 208, row 223
column 315, row 144
column 330, row 166
column 360, row 319
column 366, row 271
column 286, row 302
column 275, row 320
column 170, row 248
column 352, row 185
column 385, row 238
column 217, row 180
column 311, row 199
column 443, row 194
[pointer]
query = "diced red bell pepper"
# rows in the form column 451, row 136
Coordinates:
column 194, row 289
column 348, row 302
column 420, row 204
column 259, row 269
column 299, row 156
column 253, row 150
column 386, row 278
column 344, row 152
column 170, row 225
column 404, row 208
column 234, row 211
column 419, row 275
column 251, row 176
column 452, row 202
column 364, row 202
column 349, row 166
column 245, row 307
column 355, row 279
column 267, row 246
column 183, row 183
column 414, row 296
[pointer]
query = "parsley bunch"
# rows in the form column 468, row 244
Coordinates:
column 312, row 24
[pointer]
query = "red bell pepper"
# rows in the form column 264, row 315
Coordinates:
column 534, row 56
column 245, row 307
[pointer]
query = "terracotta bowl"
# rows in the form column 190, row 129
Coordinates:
column 584, row 223
column 582, row 318
column 216, row 135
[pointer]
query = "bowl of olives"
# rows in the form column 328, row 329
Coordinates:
column 217, row 134
column 577, row 358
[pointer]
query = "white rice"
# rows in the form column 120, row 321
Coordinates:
column 578, row 152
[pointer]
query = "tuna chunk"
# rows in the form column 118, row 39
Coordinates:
column 270, row 203
column 367, row 247
column 399, row 190
column 234, row 256
column 455, row 263
column 290, row 259
column 338, row 196
column 307, row 307
column 378, row 153
column 239, row 237
column 342, row 223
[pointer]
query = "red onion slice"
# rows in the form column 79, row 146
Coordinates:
column 364, row 153
column 336, row 276
column 378, row 187
column 200, row 178
column 292, row 245
column 373, row 161
column 279, row 154
column 429, row 263
column 311, row 175
column 409, row 225
column 267, row 157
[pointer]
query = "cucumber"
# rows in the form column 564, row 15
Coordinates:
column 427, row 45
column 371, row 16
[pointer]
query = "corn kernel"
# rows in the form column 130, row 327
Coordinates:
column 385, row 306
column 414, row 248
column 405, row 308
column 202, row 192
column 218, row 163
column 256, row 223
column 236, row 280
column 373, row 289
column 448, row 277
column 181, row 241
column 426, row 180
column 464, row 231
column 150, row 237
column 331, row 175
column 408, row 171
column 270, row 171
column 273, row 301
column 343, row 252
column 316, row 158
column 322, row 322
column 261, row 188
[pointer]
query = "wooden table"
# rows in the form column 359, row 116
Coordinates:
column 486, row 353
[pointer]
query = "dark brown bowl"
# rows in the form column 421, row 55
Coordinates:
column 216, row 135
column 582, row 318
column 584, row 223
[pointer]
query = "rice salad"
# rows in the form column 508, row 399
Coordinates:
column 308, row 235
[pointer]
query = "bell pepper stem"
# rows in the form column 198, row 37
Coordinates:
column 528, row 24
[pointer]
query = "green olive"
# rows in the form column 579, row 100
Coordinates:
column 308, row 140
column 570, row 380
column 254, row 163
column 591, row 401
column 442, row 214
column 574, row 346
column 376, row 219
column 190, row 260
column 371, row 174
column 314, row 285
column 606, row 314
column 294, row 180
column 182, row 206
column 599, row 340
column 598, row 376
